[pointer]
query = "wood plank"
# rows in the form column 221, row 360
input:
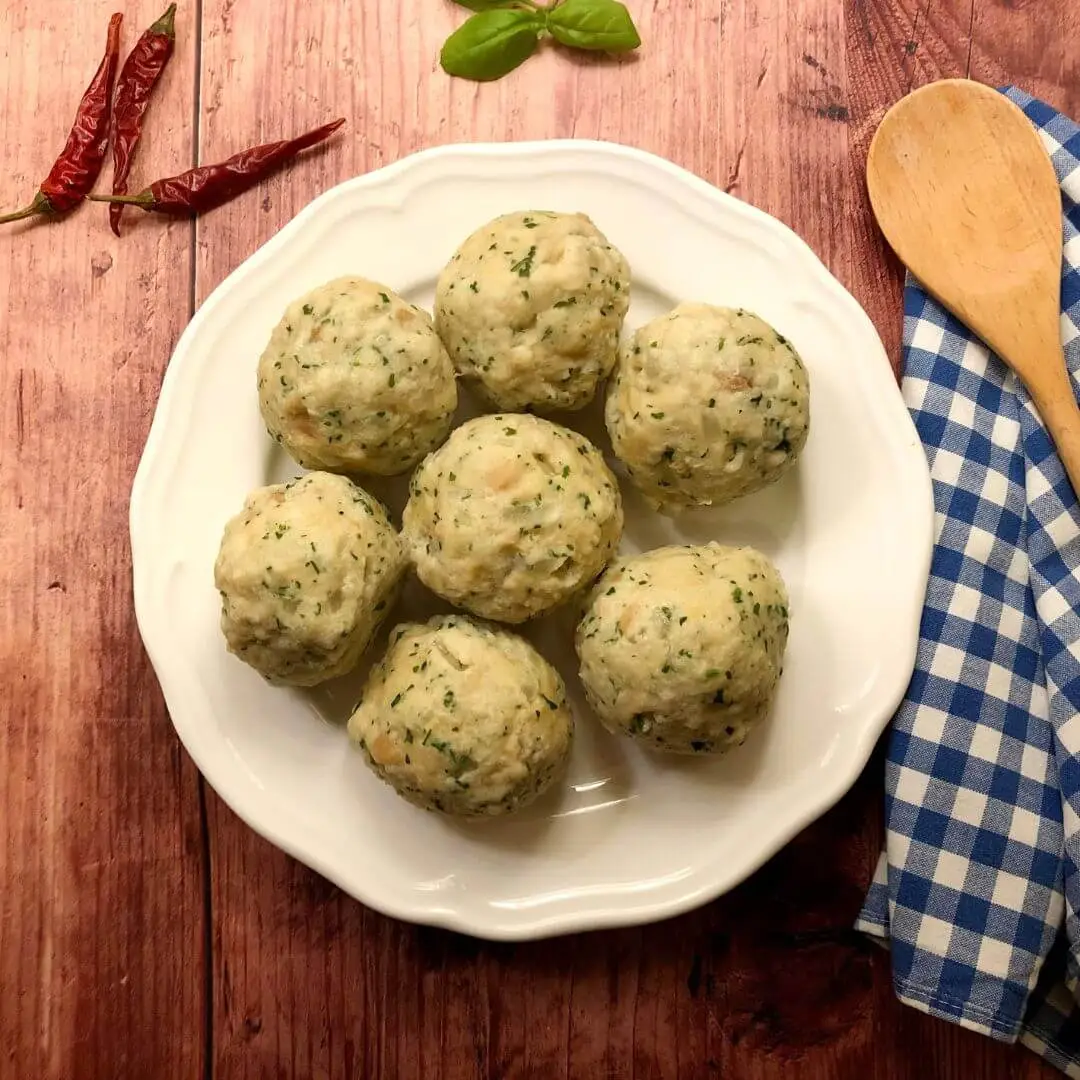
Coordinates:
column 101, row 928
column 1040, row 55
column 777, row 104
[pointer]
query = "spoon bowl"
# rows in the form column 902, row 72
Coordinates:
column 967, row 197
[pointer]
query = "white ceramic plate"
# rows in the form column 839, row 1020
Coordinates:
column 629, row 837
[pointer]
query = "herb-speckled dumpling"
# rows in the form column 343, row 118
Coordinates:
column 530, row 308
column 707, row 404
column 355, row 380
column 682, row 648
column 512, row 516
column 464, row 718
column 307, row 571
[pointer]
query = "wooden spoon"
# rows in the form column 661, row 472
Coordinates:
column 967, row 198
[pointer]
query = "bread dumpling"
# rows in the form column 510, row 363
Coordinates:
column 707, row 404
column 682, row 648
column 307, row 571
column 512, row 516
column 530, row 309
column 355, row 380
column 464, row 718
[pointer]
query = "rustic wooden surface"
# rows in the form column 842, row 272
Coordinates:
column 144, row 931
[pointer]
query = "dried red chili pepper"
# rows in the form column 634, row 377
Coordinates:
column 207, row 186
column 76, row 170
column 134, row 85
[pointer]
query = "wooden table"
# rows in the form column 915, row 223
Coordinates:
column 145, row 932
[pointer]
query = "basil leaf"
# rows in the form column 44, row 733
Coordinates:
column 593, row 24
column 491, row 44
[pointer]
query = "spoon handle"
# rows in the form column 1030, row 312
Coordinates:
column 1056, row 402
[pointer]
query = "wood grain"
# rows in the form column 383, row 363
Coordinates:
column 104, row 918
column 101, row 907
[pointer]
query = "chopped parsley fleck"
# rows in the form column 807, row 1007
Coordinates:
column 459, row 763
column 523, row 267
column 385, row 299
column 308, row 309
column 736, row 595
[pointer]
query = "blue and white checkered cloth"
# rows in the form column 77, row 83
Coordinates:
column 978, row 889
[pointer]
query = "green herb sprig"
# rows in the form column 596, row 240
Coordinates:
column 503, row 34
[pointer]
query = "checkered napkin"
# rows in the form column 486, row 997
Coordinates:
column 978, row 889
